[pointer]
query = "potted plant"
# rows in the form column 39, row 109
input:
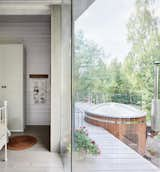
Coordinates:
column 84, row 145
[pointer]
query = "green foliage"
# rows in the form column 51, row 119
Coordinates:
column 130, row 82
column 89, row 68
column 143, row 34
column 84, row 144
column 93, row 78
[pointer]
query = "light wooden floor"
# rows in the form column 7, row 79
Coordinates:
column 115, row 155
column 35, row 159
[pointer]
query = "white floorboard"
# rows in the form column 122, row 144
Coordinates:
column 35, row 159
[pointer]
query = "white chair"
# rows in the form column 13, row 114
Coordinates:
column 3, row 128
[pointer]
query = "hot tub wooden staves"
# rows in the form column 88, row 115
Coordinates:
column 125, row 122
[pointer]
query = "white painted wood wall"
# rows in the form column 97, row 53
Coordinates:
column 36, row 39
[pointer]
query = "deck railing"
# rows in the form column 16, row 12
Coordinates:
column 79, row 117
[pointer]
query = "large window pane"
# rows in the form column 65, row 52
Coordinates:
column 116, row 113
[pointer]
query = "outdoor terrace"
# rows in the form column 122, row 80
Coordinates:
column 115, row 155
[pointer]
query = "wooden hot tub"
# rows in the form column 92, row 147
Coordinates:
column 124, row 121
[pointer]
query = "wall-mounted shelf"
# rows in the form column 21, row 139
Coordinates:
column 34, row 76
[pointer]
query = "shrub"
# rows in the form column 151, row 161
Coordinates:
column 83, row 143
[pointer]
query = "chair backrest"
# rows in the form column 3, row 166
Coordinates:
column 3, row 113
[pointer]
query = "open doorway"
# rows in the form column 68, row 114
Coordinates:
column 33, row 32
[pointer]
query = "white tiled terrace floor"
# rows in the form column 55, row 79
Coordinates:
column 35, row 159
column 115, row 155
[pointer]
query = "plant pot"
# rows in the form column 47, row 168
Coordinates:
column 80, row 156
column 92, row 156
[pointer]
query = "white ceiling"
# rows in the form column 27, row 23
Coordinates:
column 25, row 2
column 40, row 7
column 80, row 6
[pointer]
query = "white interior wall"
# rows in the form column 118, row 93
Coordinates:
column 35, row 35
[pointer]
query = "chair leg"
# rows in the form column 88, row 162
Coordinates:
column 5, row 152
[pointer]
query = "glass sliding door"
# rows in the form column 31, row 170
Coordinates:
column 115, row 122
